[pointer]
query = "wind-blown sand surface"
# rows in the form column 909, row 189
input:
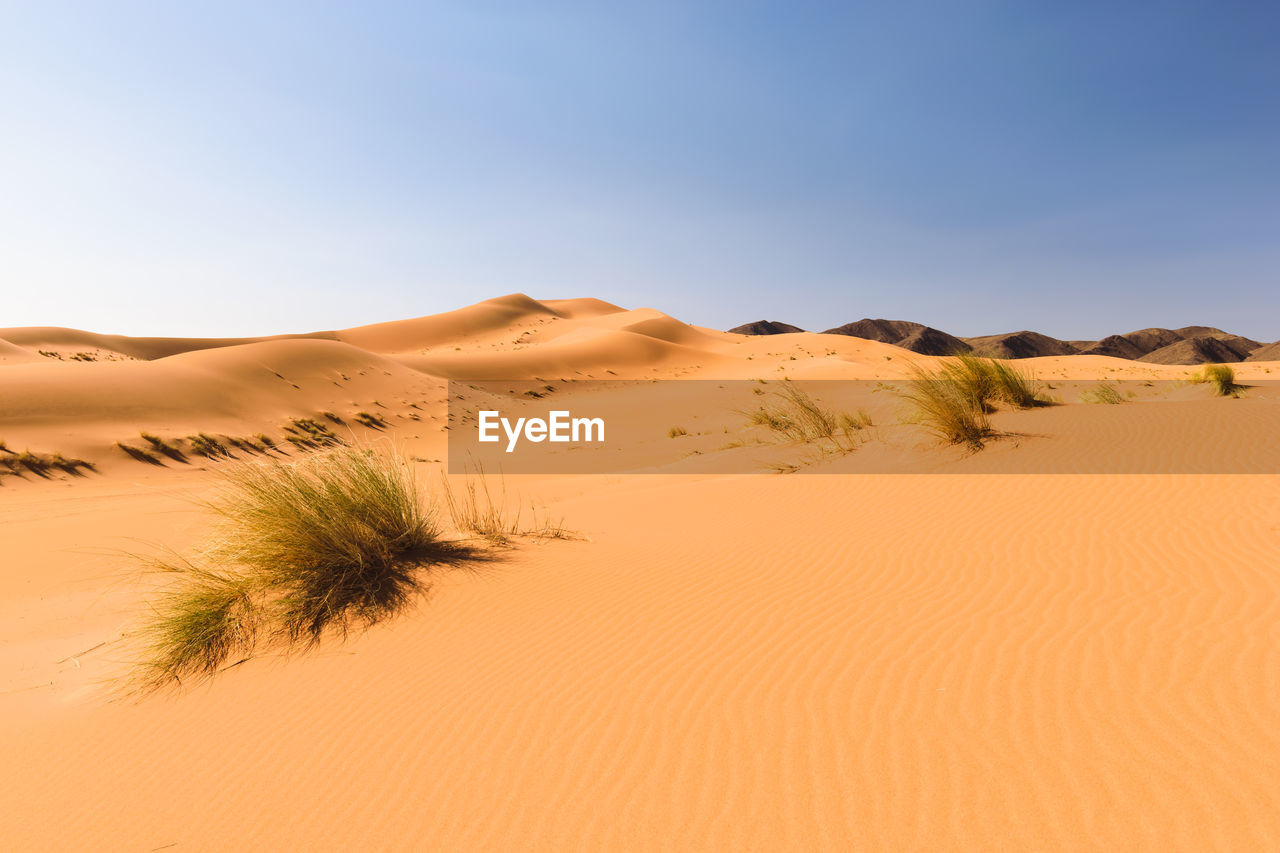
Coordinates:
column 896, row 661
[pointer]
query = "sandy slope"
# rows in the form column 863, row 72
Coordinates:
column 750, row 662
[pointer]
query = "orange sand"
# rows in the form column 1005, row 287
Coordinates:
column 899, row 661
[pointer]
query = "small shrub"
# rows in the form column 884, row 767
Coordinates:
column 676, row 432
column 370, row 420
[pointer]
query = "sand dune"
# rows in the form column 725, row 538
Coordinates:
column 919, row 650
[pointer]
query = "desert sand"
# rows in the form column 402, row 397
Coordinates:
column 887, row 657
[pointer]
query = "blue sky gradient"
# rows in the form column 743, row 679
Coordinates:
column 246, row 168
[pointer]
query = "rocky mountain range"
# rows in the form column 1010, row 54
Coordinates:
column 1188, row 345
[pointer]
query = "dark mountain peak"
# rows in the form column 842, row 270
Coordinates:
column 916, row 337
column 885, row 331
column 1188, row 345
column 766, row 327
column 1116, row 346
column 1201, row 350
column 1024, row 344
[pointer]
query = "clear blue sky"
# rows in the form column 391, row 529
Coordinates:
column 1079, row 168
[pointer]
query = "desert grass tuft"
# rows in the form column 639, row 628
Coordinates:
column 1222, row 377
column 309, row 434
column 208, row 446
column 159, row 445
column 486, row 514
column 339, row 535
column 139, row 454
column 989, row 379
column 797, row 417
column 676, row 432
column 1103, row 394
column 201, row 619
column 952, row 410
column 302, row 548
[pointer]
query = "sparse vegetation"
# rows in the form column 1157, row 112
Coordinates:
column 476, row 511
column 676, row 432
column 797, row 417
column 306, row 433
column 302, row 548
column 40, row 464
column 952, row 410
column 1222, row 377
column 370, row 420
column 159, row 445
column 139, row 454
column 989, row 379
column 1103, row 394
column 208, row 446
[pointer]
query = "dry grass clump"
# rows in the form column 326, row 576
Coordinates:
column 302, row 547
column 954, row 402
column 479, row 512
column 1222, row 377
column 797, row 417
column 1102, row 394
column 40, row 464
column 676, row 432
column 159, row 445
column 370, row 420
column 208, row 446
column 308, row 433
column 199, row 623
column 952, row 410
column 139, row 454
column 989, row 379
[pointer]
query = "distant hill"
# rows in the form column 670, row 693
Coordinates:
column 1199, row 350
column 766, row 327
column 916, row 337
column 1269, row 352
column 1019, row 345
column 1188, row 345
